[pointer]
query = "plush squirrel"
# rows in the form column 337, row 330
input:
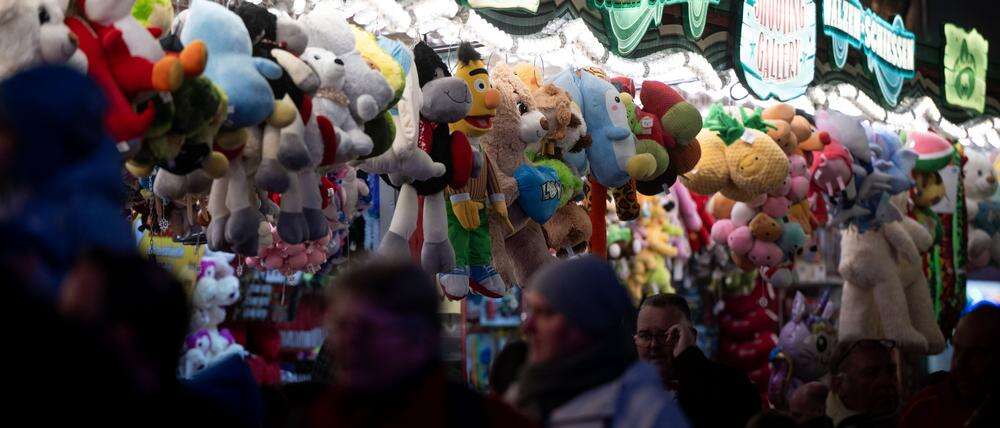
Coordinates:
column 468, row 218
column 446, row 99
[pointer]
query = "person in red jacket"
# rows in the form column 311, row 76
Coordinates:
column 971, row 392
column 384, row 335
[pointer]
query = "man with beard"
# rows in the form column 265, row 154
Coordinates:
column 864, row 389
column 666, row 338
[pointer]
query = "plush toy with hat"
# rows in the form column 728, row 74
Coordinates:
column 437, row 110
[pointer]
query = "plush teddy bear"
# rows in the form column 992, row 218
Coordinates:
column 368, row 93
column 528, row 190
column 885, row 294
column 980, row 184
column 42, row 37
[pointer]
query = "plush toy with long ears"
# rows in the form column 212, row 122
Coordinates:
column 468, row 215
column 805, row 346
column 446, row 99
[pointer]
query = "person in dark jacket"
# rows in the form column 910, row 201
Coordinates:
column 665, row 337
column 384, row 340
column 969, row 394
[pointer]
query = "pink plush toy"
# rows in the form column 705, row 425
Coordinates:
column 740, row 240
column 765, row 253
column 288, row 259
column 721, row 231
column 777, row 207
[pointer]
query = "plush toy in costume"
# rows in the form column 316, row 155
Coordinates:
column 805, row 346
column 468, row 215
column 520, row 250
column 446, row 99
column 672, row 121
column 41, row 36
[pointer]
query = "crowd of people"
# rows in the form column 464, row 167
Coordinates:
column 97, row 336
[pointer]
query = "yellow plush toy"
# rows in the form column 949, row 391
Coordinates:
column 738, row 159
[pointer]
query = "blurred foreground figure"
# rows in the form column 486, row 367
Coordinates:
column 61, row 190
column 384, row 341
column 582, row 368
column 864, row 387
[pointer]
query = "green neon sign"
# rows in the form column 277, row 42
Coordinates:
column 628, row 20
column 965, row 67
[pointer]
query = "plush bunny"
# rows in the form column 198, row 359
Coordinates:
column 805, row 346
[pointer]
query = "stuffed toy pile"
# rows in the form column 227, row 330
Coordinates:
column 885, row 293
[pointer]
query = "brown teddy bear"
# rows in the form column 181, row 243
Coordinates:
column 517, row 125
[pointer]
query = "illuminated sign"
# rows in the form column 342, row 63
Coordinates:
column 777, row 47
column 965, row 67
column 889, row 48
column 628, row 20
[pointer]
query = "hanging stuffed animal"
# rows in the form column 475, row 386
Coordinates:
column 983, row 213
column 446, row 99
column 532, row 193
column 35, row 34
column 236, row 219
column 216, row 288
column 468, row 207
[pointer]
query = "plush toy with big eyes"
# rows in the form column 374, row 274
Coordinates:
column 805, row 346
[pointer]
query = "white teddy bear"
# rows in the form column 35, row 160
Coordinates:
column 332, row 102
column 42, row 38
column 980, row 185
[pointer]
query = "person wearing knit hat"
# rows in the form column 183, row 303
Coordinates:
column 582, row 367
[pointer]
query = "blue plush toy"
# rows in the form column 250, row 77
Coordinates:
column 231, row 64
column 539, row 191
column 607, row 121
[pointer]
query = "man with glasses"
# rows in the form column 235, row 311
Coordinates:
column 666, row 339
column 864, row 386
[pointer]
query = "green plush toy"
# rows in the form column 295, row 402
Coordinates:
column 158, row 14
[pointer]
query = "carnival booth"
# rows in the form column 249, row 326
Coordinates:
column 802, row 172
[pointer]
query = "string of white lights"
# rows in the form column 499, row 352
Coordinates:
column 565, row 43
